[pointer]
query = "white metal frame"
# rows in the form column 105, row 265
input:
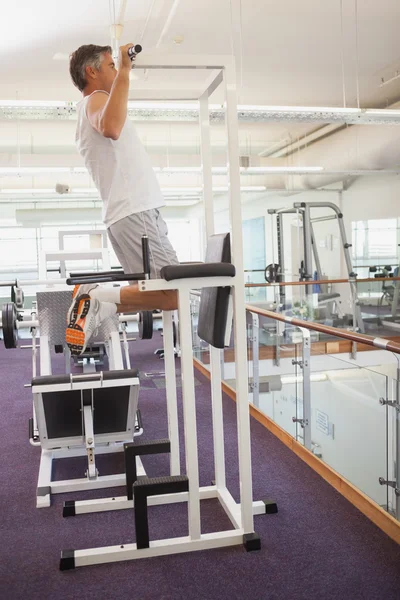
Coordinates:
column 80, row 446
column 241, row 515
column 63, row 255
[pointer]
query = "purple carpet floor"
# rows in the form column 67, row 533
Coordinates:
column 318, row 546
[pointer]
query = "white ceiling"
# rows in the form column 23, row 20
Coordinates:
column 291, row 50
column 287, row 52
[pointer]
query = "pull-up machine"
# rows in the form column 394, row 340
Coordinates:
column 226, row 275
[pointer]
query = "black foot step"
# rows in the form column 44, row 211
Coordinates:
column 141, row 448
column 271, row 507
column 153, row 486
column 251, row 541
column 139, row 425
column 67, row 560
column 149, row 446
column 69, row 508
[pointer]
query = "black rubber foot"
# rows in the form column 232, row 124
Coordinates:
column 251, row 541
column 271, row 507
column 67, row 560
column 69, row 508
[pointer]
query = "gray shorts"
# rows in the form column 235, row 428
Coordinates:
column 126, row 238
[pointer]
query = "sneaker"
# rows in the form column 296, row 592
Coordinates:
column 79, row 290
column 85, row 319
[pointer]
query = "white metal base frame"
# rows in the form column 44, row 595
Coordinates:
column 46, row 486
column 94, row 556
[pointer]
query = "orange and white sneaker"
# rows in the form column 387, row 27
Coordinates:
column 85, row 318
column 87, row 315
column 79, row 290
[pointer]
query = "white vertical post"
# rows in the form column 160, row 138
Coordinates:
column 242, row 386
column 215, row 354
column 397, row 444
column 256, row 361
column 44, row 355
column 170, row 387
column 206, row 164
column 116, row 352
column 306, row 387
column 217, row 418
column 189, row 414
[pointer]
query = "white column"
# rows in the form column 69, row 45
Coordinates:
column 242, row 404
column 206, row 163
column 170, row 387
column 189, row 414
column 44, row 355
column 217, row 417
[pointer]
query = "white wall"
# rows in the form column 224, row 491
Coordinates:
column 375, row 197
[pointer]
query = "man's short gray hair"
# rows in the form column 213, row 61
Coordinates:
column 86, row 56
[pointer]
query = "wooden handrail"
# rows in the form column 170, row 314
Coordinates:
column 321, row 282
column 360, row 338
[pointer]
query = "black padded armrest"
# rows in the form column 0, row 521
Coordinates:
column 107, row 375
column 171, row 272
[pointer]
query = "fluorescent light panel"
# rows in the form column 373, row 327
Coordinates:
column 216, row 170
column 177, row 190
column 181, row 202
column 299, row 379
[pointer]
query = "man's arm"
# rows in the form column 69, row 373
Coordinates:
column 107, row 114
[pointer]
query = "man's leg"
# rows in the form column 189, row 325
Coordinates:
column 90, row 306
column 126, row 239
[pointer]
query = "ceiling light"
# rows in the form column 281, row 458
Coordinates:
column 248, row 188
column 291, row 109
column 181, row 202
column 266, row 170
column 178, row 39
column 181, row 169
column 299, row 379
column 178, row 190
column 166, row 191
column 29, row 103
column 46, row 191
column 383, row 112
column 33, row 170
column 27, row 191
column 163, row 105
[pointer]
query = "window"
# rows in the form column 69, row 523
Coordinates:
column 376, row 239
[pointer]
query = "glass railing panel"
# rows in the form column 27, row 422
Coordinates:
column 329, row 303
column 348, row 422
column 269, row 356
column 200, row 348
column 379, row 302
column 341, row 404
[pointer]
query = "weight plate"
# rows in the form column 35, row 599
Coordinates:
column 272, row 273
column 9, row 324
column 146, row 325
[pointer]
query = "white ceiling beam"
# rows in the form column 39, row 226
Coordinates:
column 168, row 22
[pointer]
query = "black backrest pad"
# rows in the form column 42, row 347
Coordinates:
column 214, row 301
column 63, row 411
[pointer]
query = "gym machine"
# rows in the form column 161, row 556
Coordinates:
column 80, row 413
column 215, row 278
column 274, row 273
